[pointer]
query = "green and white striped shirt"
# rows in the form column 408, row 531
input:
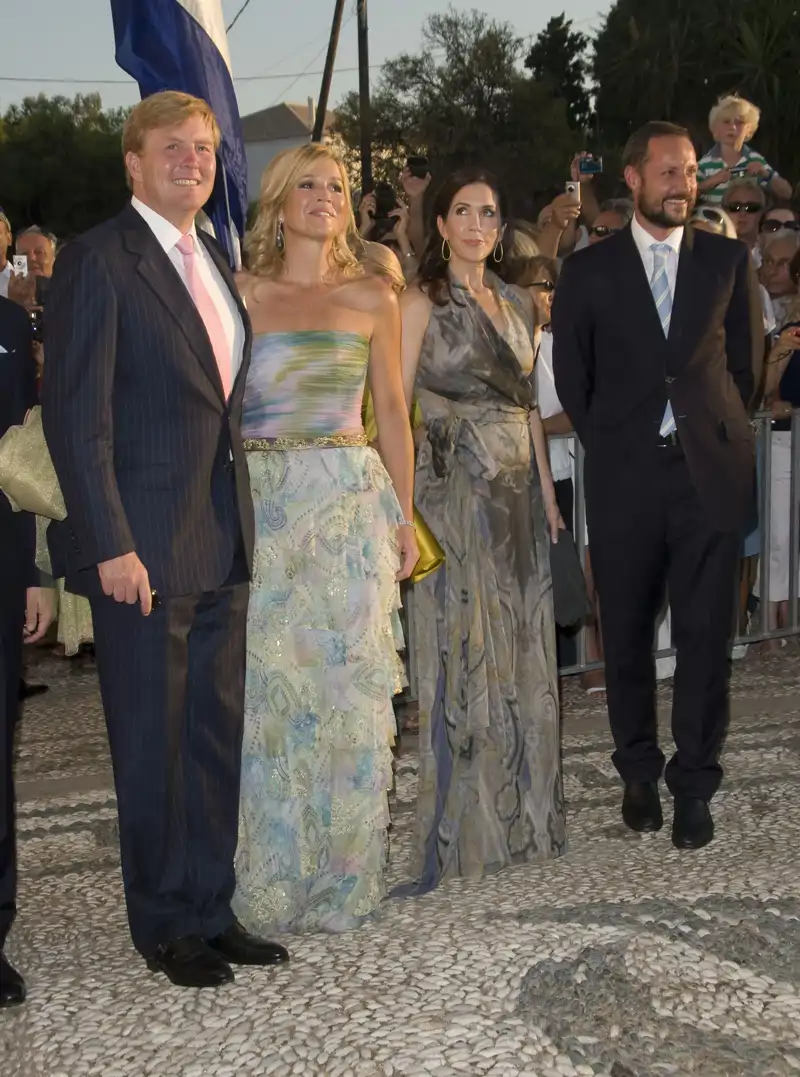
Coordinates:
column 712, row 162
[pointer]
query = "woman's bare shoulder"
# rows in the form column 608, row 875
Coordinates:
column 370, row 295
column 415, row 303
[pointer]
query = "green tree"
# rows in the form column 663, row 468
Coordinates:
column 671, row 59
column 61, row 163
column 559, row 59
column 465, row 99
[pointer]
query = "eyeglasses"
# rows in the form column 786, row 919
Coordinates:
column 780, row 226
column 603, row 232
column 744, row 207
column 545, row 285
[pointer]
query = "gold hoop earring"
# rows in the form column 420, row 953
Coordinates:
column 446, row 255
column 498, row 257
column 280, row 241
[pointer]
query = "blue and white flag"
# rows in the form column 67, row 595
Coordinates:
column 182, row 45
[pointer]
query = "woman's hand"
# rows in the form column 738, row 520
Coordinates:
column 409, row 550
column 565, row 211
column 414, row 186
column 757, row 168
column 366, row 215
column 553, row 514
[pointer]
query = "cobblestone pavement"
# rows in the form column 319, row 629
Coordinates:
column 626, row 958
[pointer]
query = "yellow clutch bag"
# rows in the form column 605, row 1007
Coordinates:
column 431, row 554
column 27, row 476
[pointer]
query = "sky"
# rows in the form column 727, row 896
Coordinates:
column 281, row 39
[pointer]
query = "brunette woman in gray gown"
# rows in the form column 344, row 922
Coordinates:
column 490, row 790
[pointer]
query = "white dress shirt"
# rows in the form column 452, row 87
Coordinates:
column 549, row 404
column 168, row 235
column 5, row 277
column 644, row 241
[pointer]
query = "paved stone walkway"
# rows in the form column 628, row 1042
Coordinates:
column 624, row 959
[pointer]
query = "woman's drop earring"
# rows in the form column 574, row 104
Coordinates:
column 446, row 251
column 280, row 242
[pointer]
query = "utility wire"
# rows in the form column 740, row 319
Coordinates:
column 127, row 82
column 235, row 18
column 282, row 95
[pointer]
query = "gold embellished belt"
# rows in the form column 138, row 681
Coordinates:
column 331, row 441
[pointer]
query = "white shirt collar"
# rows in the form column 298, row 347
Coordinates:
column 644, row 241
column 165, row 232
column 6, row 270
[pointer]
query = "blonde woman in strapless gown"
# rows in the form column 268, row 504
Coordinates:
column 333, row 539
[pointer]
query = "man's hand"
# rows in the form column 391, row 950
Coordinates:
column 38, row 355
column 575, row 168
column 125, row 579
column 22, row 290
column 40, row 609
column 413, row 186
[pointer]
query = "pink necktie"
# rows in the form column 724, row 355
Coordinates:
column 208, row 312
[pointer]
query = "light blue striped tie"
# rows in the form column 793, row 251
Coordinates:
column 659, row 286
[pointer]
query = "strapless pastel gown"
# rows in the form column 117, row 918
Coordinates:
column 323, row 637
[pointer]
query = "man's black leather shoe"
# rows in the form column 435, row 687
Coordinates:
column 641, row 807
column 692, row 824
column 241, row 948
column 28, row 691
column 12, row 986
column 189, row 962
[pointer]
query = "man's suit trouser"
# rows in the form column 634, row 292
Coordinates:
column 12, row 614
column 173, row 693
column 650, row 533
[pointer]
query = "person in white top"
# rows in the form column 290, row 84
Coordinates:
column 6, row 239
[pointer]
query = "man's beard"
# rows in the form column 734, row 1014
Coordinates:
column 656, row 212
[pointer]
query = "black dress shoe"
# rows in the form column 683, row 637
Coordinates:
column 641, row 807
column 189, row 962
column 12, row 986
column 692, row 825
column 241, row 948
column 27, row 691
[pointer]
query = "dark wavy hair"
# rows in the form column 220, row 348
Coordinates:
column 432, row 276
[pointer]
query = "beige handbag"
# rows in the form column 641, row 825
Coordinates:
column 27, row 476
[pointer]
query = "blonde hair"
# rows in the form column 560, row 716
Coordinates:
column 163, row 109
column 733, row 105
column 280, row 176
column 379, row 261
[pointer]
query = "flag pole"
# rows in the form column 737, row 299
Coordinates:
column 327, row 74
column 363, row 98
column 233, row 234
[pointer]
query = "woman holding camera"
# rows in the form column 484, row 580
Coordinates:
column 489, row 789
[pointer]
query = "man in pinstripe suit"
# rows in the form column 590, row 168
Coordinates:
column 147, row 346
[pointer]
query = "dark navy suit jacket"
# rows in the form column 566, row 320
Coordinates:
column 148, row 451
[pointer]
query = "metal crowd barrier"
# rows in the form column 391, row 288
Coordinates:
column 762, row 423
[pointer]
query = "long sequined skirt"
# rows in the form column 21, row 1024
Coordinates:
column 322, row 668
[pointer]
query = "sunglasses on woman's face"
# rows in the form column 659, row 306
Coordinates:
column 545, row 285
column 602, row 231
column 779, row 226
column 744, row 207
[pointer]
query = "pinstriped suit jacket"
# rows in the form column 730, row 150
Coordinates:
column 17, row 394
column 148, row 452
